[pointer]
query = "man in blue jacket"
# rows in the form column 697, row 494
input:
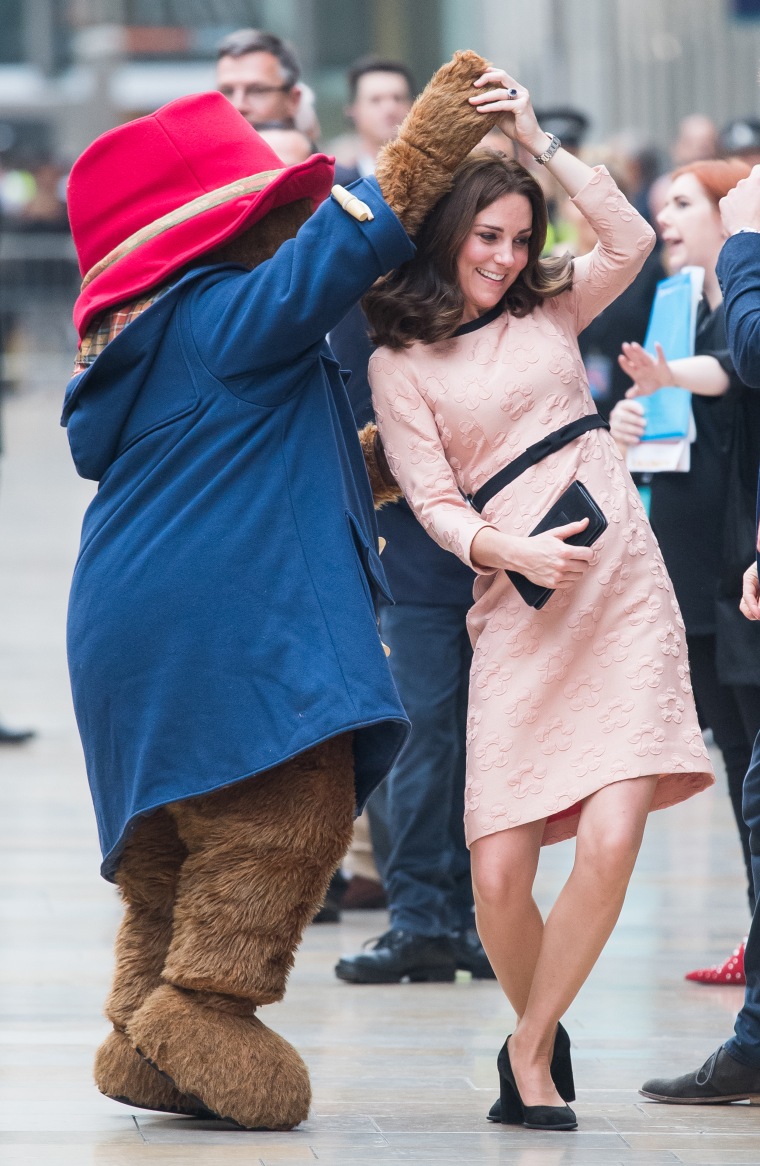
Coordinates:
column 416, row 816
column 422, row 857
column 732, row 1072
column 231, row 690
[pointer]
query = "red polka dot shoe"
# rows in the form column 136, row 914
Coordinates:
column 730, row 972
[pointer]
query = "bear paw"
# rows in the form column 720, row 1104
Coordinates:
column 233, row 1064
column 123, row 1075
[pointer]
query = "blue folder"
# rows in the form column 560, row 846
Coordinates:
column 672, row 323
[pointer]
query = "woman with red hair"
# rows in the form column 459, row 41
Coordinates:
column 704, row 519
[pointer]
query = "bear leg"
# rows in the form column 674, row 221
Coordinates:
column 260, row 857
column 147, row 879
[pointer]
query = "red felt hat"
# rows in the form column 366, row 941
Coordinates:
column 147, row 197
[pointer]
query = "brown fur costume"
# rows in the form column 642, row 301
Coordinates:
column 218, row 889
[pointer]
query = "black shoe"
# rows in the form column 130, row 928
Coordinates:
column 470, row 955
column 15, row 736
column 329, row 912
column 363, row 894
column 561, row 1070
column 720, row 1080
column 400, row 954
column 533, row 1117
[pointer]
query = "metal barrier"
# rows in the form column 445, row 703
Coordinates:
column 39, row 281
column 37, row 260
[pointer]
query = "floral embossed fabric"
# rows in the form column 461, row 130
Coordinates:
column 594, row 688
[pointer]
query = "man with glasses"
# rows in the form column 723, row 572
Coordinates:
column 259, row 73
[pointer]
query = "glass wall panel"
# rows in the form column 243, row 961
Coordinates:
column 12, row 39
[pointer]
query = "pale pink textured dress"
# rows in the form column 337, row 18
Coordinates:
column 594, row 688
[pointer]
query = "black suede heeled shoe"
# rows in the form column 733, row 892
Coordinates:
column 562, row 1075
column 533, row 1117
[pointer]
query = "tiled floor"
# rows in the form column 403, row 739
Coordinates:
column 401, row 1074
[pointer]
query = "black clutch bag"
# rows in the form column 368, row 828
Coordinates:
column 573, row 505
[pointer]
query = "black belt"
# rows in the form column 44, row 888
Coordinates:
column 535, row 453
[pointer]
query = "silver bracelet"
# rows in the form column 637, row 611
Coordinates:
column 550, row 150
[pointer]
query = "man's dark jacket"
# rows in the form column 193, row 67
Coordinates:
column 739, row 276
column 418, row 570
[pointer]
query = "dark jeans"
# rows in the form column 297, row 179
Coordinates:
column 416, row 816
column 733, row 714
column 745, row 1044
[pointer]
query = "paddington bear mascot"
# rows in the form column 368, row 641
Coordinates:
column 232, row 694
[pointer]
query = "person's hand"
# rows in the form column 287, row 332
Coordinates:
column 627, row 423
column 417, row 168
column 750, row 601
column 648, row 374
column 518, row 121
column 741, row 206
column 545, row 559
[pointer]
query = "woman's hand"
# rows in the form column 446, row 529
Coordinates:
column 648, row 374
column 627, row 423
column 545, row 559
column 750, row 602
column 519, row 121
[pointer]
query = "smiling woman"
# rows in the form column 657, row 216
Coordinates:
column 581, row 718
column 480, row 245
column 494, row 253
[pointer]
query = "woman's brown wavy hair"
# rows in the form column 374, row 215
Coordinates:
column 421, row 300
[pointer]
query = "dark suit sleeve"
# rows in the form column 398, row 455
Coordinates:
column 283, row 308
column 345, row 175
column 350, row 343
column 739, row 275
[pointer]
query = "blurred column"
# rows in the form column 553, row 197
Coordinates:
column 591, row 78
column 555, row 56
column 295, row 20
column 40, row 32
column 389, row 29
column 518, row 38
column 410, row 30
column 462, row 28
column 98, row 50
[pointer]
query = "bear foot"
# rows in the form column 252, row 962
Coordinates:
column 123, row 1075
column 233, row 1065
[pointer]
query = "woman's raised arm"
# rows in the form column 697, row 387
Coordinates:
column 518, row 121
column 625, row 239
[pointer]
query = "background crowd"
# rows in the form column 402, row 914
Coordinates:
column 409, row 853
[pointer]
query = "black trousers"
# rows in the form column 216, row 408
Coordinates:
column 733, row 714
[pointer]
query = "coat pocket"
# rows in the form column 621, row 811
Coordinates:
column 369, row 562
column 336, row 375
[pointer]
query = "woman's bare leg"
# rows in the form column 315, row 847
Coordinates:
column 580, row 923
column 509, row 922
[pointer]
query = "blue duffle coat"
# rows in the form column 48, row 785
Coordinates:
column 221, row 618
